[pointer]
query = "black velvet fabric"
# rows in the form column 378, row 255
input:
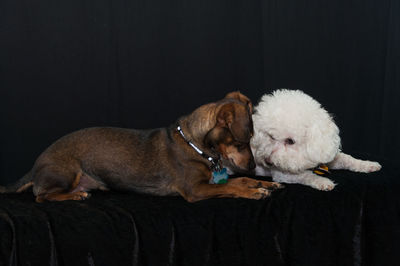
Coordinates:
column 355, row 224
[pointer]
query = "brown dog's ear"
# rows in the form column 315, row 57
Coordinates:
column 214, row 136
column 240, row 97
column 237, row 119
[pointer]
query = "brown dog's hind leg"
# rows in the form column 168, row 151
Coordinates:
column 79, row 195
column 53, row 186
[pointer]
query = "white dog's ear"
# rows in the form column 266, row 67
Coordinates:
column 323, row 142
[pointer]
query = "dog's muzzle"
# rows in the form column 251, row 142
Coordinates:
column 268, row 161
column 251, row 165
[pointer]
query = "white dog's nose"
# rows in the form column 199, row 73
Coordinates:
column 268, row 161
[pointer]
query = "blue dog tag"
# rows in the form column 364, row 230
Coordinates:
column 220, row 177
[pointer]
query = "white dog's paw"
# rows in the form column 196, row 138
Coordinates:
column 322, row 183
column 367, row 167
column 373, row 167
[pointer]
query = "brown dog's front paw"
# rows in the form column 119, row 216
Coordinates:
column 270, row 185
column 261, row 193
column 276, row 185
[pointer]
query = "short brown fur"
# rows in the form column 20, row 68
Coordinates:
column 157, row 161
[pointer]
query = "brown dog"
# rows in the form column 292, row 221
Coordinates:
column 167, row 161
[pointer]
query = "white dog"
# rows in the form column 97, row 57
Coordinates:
column 293, row 134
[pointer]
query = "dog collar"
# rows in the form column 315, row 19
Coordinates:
column 215, row 163
column 321, row 170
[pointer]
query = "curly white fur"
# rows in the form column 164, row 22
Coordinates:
column 294, row 133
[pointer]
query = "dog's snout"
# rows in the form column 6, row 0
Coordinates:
column 251, row 165
column 268, row 161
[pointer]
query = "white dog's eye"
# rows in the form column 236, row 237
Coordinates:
column 289, row 141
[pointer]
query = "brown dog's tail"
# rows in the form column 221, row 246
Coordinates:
column 21, row 185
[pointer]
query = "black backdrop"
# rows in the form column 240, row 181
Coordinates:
column 66, row 65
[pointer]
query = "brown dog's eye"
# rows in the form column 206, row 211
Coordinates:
column 289, row 141
column 240, row 146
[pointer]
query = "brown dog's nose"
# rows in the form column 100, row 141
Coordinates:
column 252, row 165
